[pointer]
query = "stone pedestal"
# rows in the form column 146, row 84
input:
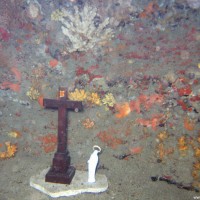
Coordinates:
column 78, row 185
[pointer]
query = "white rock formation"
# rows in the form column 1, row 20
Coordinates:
column 80, row 29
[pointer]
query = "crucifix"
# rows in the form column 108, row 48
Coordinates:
column 61, row 171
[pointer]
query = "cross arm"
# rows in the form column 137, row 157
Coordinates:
column 71, row 105
column 75, row 105
column 50, row 103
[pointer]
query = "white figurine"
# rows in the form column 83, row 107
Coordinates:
column 92, row 164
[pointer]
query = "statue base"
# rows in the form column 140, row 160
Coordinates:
column 78, row 185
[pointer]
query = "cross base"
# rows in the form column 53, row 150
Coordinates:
column 61, row 171
column 60, row 177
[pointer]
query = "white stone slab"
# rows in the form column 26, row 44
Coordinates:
column 78, row 185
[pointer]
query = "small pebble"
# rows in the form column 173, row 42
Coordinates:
column 2, row 102
column 130, row 61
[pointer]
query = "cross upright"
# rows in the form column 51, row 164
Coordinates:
column 61, row 171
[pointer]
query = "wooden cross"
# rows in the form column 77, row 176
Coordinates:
column 61, row 171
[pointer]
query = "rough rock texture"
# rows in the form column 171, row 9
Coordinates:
column 81, row 30
column 78, row 185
